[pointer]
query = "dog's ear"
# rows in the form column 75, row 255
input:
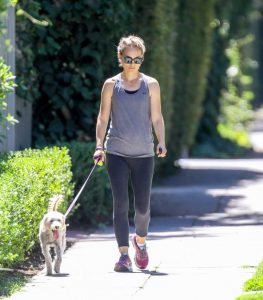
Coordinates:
column 45, row 223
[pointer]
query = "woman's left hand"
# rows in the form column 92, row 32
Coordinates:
column 161, row 150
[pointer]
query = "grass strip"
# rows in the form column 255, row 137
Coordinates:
column 10, row 282
column 256, row 282
column 256, row 296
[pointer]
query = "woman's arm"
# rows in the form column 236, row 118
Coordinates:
column 104, row 114
column 157, row 117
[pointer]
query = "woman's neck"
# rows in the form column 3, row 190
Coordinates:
column 129, row 77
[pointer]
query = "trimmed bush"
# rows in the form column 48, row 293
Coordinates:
column 158, row 29
column 192, row 58
column 61, row 67
column 27, row 180
column 161, row 66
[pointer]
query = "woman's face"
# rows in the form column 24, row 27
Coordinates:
column 132, row 55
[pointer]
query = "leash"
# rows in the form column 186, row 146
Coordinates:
column 97, row 162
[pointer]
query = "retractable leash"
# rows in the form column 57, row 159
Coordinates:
column 98, row 162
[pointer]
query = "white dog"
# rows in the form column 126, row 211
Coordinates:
column 52, row 233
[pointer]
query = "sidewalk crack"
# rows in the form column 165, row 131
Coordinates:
column 151, row 273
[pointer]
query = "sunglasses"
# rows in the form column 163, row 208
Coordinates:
column 129, row 60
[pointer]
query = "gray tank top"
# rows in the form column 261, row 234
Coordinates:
column 130, row 131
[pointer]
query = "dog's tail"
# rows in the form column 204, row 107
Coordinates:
column 54, row 203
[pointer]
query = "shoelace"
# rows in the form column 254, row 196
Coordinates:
column 143, row 252
column 124, row 259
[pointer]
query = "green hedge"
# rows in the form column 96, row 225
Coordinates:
column 161, row 64
column 95, row 203
column 192, row 58
column 158, row 29
column 27, row 180
column 61, row 67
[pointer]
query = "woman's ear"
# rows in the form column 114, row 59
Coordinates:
column 120, row 59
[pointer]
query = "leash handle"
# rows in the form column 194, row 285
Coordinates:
column 98, row 160
column 80, row 191
column 160, row 151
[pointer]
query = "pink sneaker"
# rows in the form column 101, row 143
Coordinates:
column 141, row 257
column 124, row 264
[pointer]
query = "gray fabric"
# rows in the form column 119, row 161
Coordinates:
column 130, row 131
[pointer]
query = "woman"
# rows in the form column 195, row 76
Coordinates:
column 132, row 100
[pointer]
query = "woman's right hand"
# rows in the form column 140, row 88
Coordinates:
column 99, row 155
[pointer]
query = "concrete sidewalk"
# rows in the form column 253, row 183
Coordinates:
column 206, row 227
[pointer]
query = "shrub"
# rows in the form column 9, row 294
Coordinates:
column 161, row 66
column 61, row 67
column 192, row 58
column 27, row 180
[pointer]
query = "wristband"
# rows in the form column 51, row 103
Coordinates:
column 99, row 148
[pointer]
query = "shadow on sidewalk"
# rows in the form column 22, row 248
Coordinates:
column 210, row 177
column 202, row 192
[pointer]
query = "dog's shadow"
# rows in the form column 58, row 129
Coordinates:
column 59, row 275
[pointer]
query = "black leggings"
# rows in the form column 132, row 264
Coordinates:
column 141, row 172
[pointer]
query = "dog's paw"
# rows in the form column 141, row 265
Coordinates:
column 49, row 272
column 57, row 269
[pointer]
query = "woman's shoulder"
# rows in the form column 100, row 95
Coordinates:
column 150, row 80
column 111, row 80
column 109, row 83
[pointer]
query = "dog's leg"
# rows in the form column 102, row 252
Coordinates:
column 63, row 243
column 48, row 259
column 58, row 259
